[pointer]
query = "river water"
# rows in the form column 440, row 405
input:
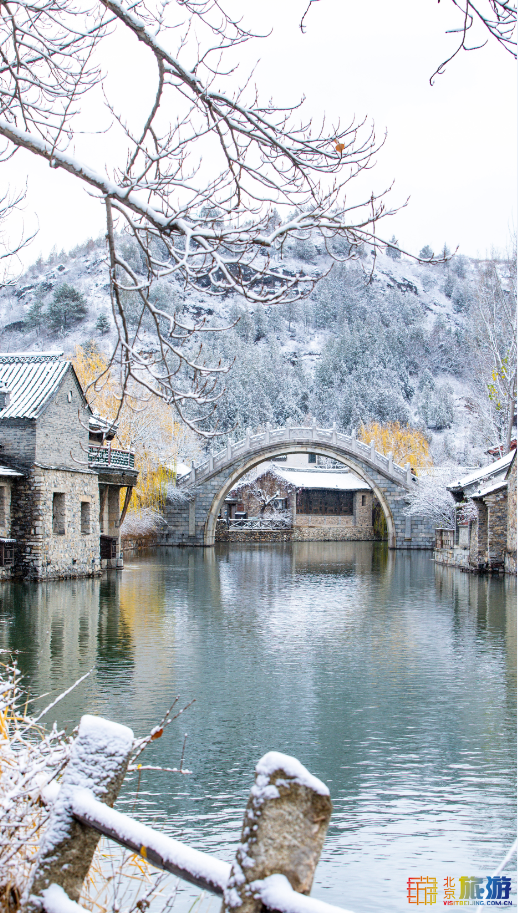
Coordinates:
column 392, row 680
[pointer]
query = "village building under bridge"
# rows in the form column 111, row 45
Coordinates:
column 306, row 503
column 60, row 480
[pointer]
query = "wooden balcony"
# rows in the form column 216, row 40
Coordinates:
column 110, row 458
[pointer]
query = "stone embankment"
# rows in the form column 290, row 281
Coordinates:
column 246, row 535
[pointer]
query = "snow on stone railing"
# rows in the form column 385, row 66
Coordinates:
column 299, row 435
column 285, row 825
column 259, row 524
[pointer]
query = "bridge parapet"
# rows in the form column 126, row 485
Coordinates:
column 305, row 438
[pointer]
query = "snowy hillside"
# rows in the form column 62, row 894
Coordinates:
column 394, row 348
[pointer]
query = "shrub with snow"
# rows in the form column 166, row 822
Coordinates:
column 143, row 524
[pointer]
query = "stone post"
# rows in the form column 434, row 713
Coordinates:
column 284, row 828
column 98, row 763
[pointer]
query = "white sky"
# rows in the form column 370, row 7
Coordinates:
column 450, row 147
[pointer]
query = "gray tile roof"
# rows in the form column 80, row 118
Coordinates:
column 30, row 379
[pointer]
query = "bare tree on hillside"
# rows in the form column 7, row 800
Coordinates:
column 203, row 170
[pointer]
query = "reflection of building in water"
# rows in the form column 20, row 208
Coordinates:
column 149, row 619
column 52, row 628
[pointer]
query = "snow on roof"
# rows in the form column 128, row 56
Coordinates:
column 30, row 378
column 489, row 488
column 322, row 478
column 500, row 466
column 97, row 423
column 8, row 471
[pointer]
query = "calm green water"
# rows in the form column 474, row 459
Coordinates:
column 392, row 680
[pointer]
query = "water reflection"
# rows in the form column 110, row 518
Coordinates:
column 392, row 680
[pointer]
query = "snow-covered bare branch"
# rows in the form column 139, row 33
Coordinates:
column 197, row 190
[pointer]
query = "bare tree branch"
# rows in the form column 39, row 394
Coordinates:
column 197, row 188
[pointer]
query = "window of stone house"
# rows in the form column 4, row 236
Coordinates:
column 324, row 502
column 58, row 513
column 364, row 500
column 2, row 507
column 312, row 459
column 85, row 518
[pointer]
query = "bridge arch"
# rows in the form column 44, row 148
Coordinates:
column 235, row 475
column 194, row 524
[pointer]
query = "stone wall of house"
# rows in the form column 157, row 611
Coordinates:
column 510, row 552
column 363, row 509
column 489, row 533
column 62, row 433
column 41, row 553
column 17, row 442
column 497, row 528
column 478, row 541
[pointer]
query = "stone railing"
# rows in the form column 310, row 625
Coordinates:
column 259, row 524
column 110, row 457
column 275, row 863
column 294, row 436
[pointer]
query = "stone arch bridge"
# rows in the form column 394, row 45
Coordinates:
column 194, row 522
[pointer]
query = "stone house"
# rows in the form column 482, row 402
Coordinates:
column 60, row 480
column 487, row 541
column 316, row 503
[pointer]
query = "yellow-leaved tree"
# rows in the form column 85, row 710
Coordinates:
column 408, row 445
column 146, row 426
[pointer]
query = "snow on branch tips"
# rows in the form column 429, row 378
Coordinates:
column 207, row 197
